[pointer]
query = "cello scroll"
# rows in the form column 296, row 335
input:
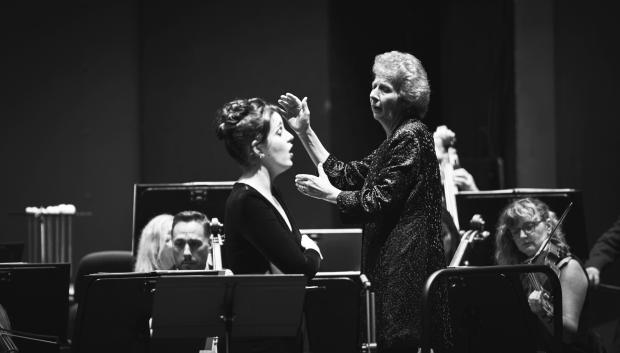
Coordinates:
column 474, row 234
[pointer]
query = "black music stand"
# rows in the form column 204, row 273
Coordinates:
column 332, row 311
column 150, row 200
column 489, row 310
column 113, row 313
column 115, row 308
column 35, row 297
column 229, row 306
column 490, row 203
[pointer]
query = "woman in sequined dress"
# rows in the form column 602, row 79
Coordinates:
column 395, row 193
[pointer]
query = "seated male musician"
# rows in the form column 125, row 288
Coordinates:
column 605, row 251
column 189, row 247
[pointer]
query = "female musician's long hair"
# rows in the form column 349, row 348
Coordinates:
column 154, row 236
column 506, row 252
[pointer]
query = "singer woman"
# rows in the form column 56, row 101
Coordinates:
column 261, row 234
column 523, row 227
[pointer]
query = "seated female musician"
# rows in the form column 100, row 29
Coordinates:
column 152, row 239
column 523, row 227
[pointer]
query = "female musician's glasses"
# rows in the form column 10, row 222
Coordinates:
column 527, row 227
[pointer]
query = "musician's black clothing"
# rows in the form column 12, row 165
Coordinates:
column 257, row 236
column 606, row 249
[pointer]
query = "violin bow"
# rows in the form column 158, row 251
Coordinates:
column 544, row 244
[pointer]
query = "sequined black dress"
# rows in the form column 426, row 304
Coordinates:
column 396, row 193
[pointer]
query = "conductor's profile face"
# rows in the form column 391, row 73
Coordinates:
column 189, row 246
column 383, row 99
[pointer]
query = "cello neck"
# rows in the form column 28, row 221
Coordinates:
column 449, row 188
column 217, row 241
column 216, row 252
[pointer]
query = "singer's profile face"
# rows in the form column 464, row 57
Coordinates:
column 529, row 234
column 189, row 245
column 277, row 147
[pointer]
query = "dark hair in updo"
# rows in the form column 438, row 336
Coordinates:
column 242, row 121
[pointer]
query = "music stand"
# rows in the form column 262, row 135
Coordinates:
column 333, row 316
column 489, row 310
column 229, row 306
column 114, row 310
column 490, row 203
column 35, row 297
column 150, row 200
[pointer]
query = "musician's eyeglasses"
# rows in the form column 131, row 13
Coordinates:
column 527, row 227
column 193, row 243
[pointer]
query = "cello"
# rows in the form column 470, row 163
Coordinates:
column 474, row 234
column 217, row 241
column 445, row 140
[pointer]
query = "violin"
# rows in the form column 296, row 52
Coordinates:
column 549, row 255
column 445, row 140
column 536, row 282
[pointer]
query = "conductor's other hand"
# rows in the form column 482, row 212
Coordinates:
column 296, row 112
column 464, row 181
column 594, row 276
column 317, row 186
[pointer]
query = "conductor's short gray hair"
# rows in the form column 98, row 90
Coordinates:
column 406, row 73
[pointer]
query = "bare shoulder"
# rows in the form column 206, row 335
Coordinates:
column 573, row 275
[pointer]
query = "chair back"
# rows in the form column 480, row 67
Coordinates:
column 102, row 261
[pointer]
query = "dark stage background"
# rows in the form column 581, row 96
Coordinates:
column 99, row 95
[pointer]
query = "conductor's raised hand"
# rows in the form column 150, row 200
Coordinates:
column 317, row 186
column 296, row 112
